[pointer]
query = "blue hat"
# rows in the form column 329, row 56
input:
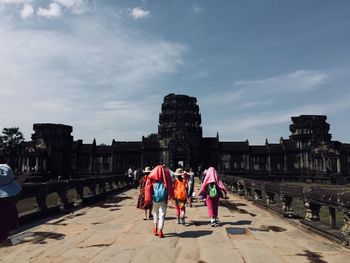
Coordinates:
column 8, row 186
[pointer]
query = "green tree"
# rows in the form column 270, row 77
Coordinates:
column 11, row 138
column 9, row 143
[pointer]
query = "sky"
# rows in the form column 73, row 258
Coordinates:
column 104, row 66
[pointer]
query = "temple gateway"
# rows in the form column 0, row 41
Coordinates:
column 309, row 151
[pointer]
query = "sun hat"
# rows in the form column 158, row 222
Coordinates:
column 8, row 186
column 147, row 170
column 179, row 171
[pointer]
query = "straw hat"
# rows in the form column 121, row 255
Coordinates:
column 8, row 186
column 147, row 170
column 179, row 171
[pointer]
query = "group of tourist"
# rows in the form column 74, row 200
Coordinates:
column 160, row 185
column 157, row 187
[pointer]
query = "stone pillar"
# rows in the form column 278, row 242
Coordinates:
column 41, row 200
column 312, row 211
column 102, row 187
column 257, row 194
column 92, row 188
column 286, row 205
column 240, row 189
column 332, row 218
column 79, row 196
column 63, row 200
column 338, row 165
column 270, row 198
column 36, row 163
column 248, row 193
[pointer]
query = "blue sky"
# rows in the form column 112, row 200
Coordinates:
column 104, row 66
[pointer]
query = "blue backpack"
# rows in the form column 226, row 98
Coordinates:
column 159, row 192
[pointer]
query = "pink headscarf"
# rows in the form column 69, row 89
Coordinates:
column 162, row 174
column 212, row 177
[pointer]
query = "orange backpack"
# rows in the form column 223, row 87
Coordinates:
column 180, row 192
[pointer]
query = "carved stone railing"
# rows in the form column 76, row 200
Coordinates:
column 67, row 194
column 334, row 197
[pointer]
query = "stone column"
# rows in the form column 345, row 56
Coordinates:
column 270, row 198
column 286, row 205
column 41, row 200
column 338, row 165
column 63, row 200
column 79, row 196
column 257, row 194
column 240, row 189
column 312, row 211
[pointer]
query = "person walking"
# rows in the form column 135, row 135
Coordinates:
column 190, row 188
column 180, row 195
column 141, row 198
column 8, row 190
column 159, row 189
column 213, row 188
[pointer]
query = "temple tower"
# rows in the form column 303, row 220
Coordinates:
column 308, row 131
column 53, row 145
column 180, row 131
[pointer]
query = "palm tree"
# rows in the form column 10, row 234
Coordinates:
column 9, row 143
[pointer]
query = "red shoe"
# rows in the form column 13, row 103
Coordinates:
column 160, row 234
column 155, row 230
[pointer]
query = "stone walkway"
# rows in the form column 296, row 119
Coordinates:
column 113, row 231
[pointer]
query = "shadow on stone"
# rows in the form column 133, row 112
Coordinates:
column 33, row 237
column 192, row 234
column 199, row 223
column 312, row 257
column 264, row 228
column 234, row 207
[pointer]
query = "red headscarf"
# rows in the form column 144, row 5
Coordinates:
column 212, row 177
column 162, row 174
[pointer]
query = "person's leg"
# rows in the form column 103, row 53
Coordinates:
column 155, row 212
column 162, row 213
column 183, row 213
column 177, row 211
column 215, row 207
column 209, row 202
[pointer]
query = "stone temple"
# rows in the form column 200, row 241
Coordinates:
column 309, row 150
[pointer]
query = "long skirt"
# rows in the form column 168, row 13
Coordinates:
column 213, row 206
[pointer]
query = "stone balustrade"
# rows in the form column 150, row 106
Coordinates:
column 335, row 197
column 40, row 199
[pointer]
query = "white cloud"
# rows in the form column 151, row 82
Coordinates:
column 90, row 76
column 54, row 10
column 76, row 6
column 138, row 12
column 197, row 9
column 14, row 1
column 27, row 11
column 254, row 123
column 298, row 81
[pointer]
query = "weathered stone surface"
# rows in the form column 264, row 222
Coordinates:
column 101, row 233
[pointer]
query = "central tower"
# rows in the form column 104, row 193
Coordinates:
column 180, row 131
